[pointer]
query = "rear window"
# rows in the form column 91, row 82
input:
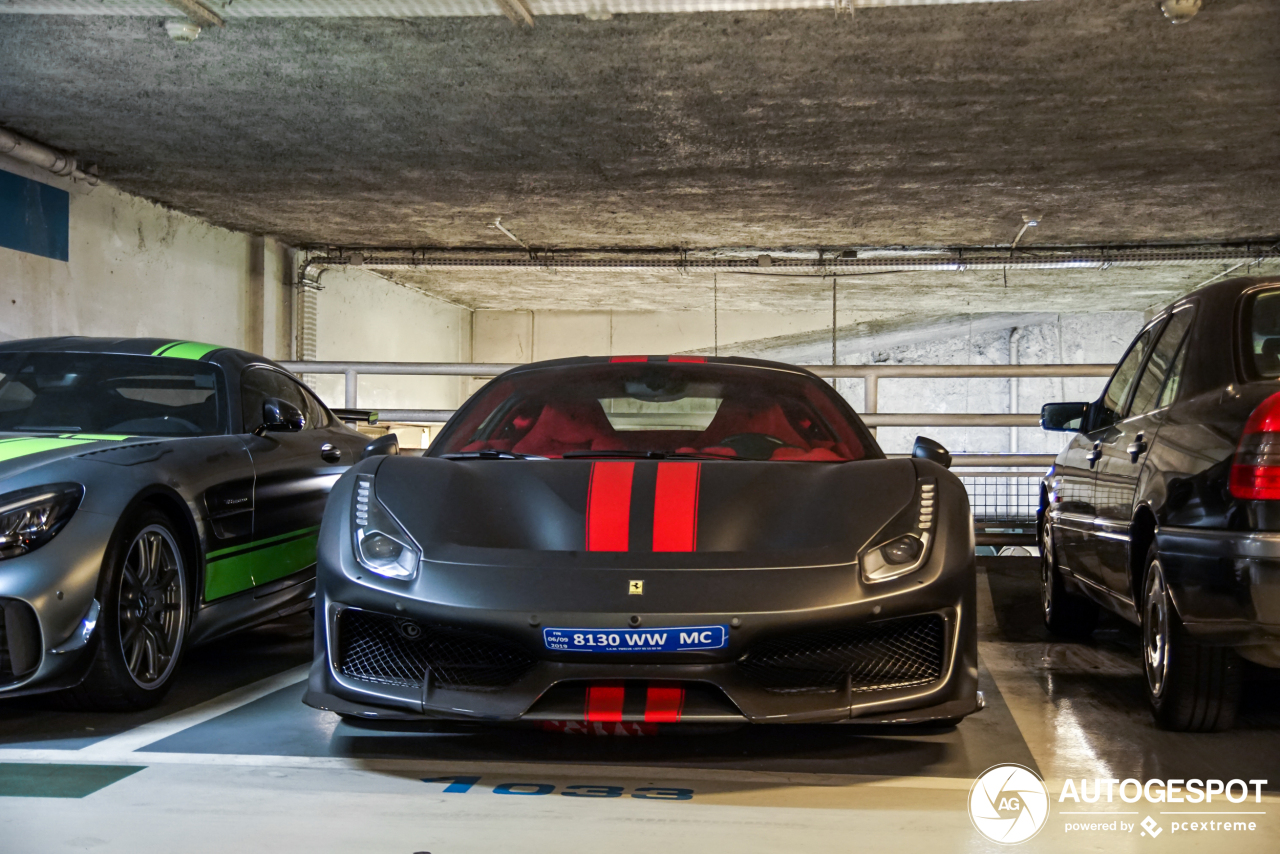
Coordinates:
column 660, row 408
column 1262, row 325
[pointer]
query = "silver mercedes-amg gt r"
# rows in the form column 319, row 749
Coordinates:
column 152, row 494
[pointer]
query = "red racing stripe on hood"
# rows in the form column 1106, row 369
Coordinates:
column 675, row 507
column 609, row 507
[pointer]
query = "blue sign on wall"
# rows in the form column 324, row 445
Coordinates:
column 34, row 217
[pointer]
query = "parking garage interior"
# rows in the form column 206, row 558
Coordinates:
column 954, row 212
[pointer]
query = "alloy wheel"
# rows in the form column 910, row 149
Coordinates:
column 1155, row 630
column 153, row 610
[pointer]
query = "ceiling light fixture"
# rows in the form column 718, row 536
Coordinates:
column 182, row 31
column 1180, row 11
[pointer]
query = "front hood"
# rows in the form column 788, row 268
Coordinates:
column 709, row 514
column 20, row 452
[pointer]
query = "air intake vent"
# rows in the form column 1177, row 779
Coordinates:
column 875, row 656
column 389, row 650
column 19, row 640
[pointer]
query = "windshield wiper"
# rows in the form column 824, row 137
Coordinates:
column 490, row 454
column 651, row 455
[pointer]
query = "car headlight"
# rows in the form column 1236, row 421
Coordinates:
column 381, row 545
column 904, row 551
column 29, row 518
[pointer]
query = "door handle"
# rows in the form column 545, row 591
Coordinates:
column 1137, row 449
column 330, row 453
column 1094, row 455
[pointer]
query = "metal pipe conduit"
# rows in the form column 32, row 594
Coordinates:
column 994, row 258
column 55, row 162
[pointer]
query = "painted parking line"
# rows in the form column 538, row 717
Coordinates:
column 149, row 733
column 435, row 768
column 59, row 780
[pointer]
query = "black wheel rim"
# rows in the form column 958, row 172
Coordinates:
column 1155, row 630
column 153, row 608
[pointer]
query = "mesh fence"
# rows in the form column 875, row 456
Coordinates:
column 1004, row 499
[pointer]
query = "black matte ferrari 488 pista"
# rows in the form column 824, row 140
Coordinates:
column 632, row 541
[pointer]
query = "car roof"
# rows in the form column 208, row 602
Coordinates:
column 113, row 346
column 226, row 357
column 734, row 361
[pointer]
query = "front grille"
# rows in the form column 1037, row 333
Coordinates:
column 873, row 656
column 395, row 651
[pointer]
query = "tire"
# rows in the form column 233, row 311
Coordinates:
column 1066, row 614
column 146, row 609
column 1192, row 686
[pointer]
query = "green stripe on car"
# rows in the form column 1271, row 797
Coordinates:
column 11, row 449
column 258, row 563
column 186, row 350
column 257, row 544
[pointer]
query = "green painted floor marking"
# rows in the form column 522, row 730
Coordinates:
column 59, row 781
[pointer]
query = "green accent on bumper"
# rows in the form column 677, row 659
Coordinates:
column 258, row 563
column 59, row 781
column 186, row 350
column 11, row 449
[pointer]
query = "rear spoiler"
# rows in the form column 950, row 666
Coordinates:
column 368, row 416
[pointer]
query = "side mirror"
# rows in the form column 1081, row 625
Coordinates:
column 927, row 449
column 1063, row 417
column 383, row 446
column 280, row 416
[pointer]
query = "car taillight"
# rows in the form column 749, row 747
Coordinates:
column 1255, row 472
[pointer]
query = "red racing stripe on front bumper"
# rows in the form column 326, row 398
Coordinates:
column 604, row 702
column 664, row 703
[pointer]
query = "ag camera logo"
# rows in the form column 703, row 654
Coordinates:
column 1008, row 804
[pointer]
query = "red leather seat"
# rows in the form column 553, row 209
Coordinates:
column 733, row 418
column 569, row 426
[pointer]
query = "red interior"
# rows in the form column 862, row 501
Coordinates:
column 582, row 425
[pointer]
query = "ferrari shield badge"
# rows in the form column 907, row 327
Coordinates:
column 636, row 588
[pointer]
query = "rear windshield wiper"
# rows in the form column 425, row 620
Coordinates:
column 490, row 454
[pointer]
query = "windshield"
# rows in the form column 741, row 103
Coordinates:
column 660, row 409
column 107, row 394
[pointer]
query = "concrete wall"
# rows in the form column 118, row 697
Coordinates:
column 137, row 269
column 361, row 316
column 805, row 338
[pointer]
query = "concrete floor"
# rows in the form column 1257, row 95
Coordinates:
column 233, row 761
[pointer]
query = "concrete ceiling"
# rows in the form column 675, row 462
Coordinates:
column 918, row 125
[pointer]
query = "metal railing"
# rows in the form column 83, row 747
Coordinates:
column 1004, row 500
column 870, row 374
